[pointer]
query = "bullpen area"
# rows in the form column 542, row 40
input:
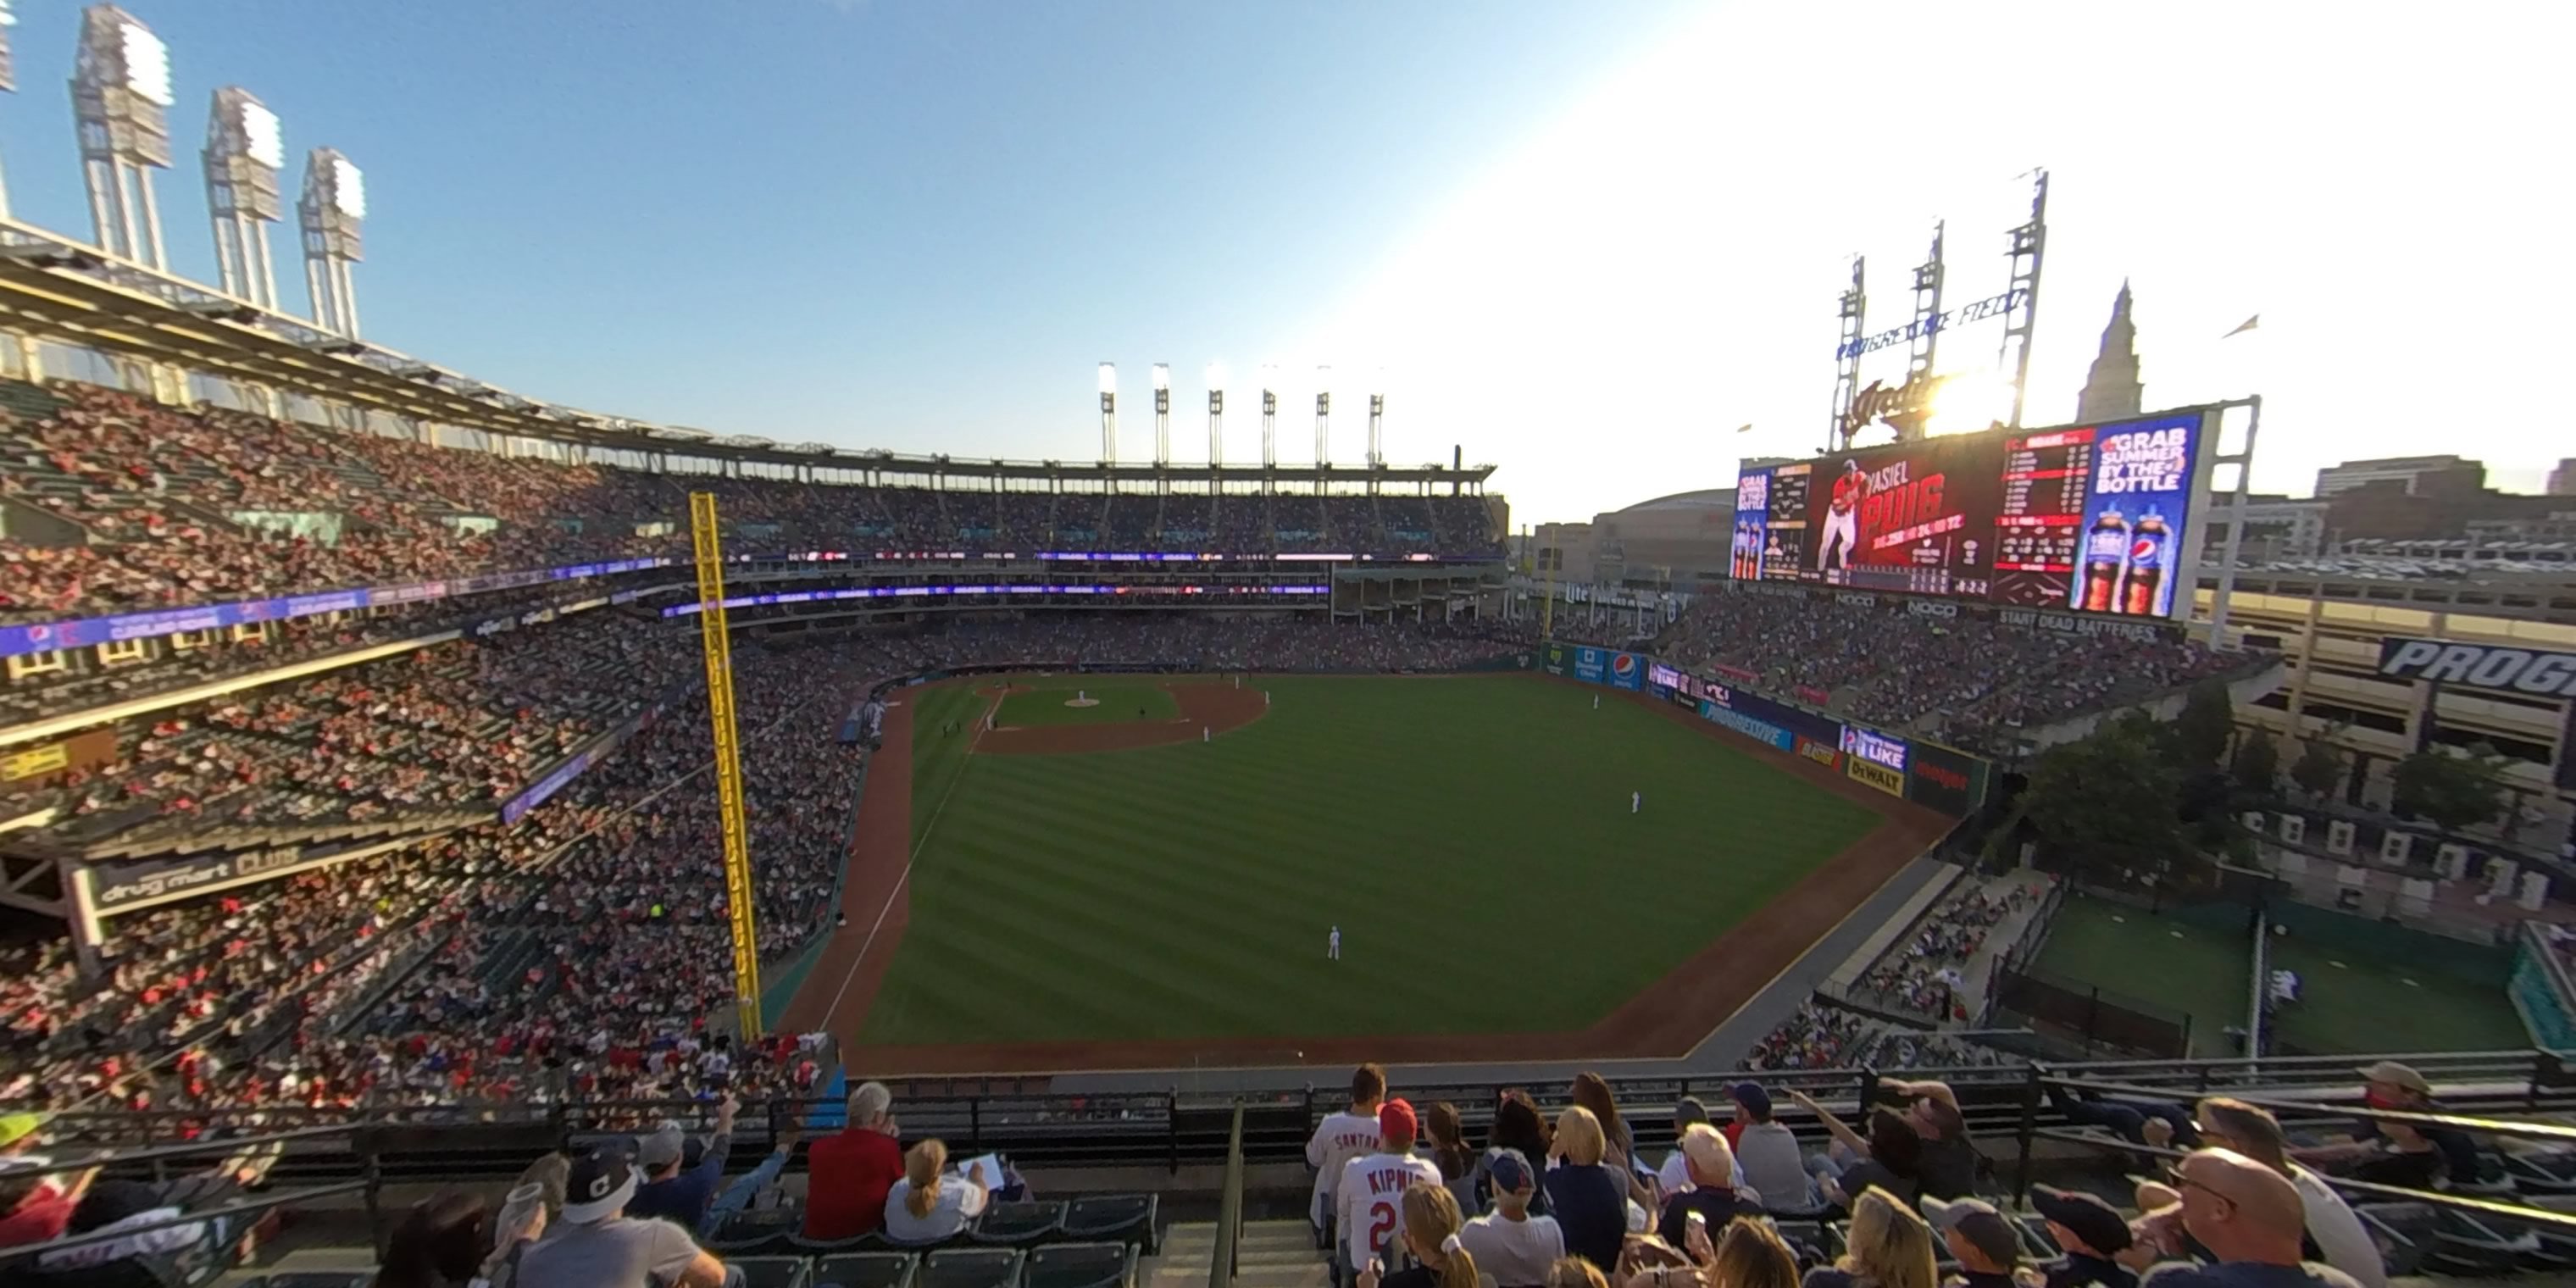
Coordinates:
column 1145, row 872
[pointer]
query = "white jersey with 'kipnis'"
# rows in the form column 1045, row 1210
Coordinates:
column 1340, row 1138
column 1372, row 1203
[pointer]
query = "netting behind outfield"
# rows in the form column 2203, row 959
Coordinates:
column 2096, row 1017
column 2258, row 1007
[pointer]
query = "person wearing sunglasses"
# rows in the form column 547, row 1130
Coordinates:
column 2251, row 1220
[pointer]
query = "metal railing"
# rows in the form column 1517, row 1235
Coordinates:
column 1225, row 1259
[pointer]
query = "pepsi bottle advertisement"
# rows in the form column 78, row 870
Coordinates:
column 2137, row 505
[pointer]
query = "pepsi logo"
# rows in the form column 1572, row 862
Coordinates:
column 2142, row 549
column 1624, row 664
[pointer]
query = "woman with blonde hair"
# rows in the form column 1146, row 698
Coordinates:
column 1430, row 1232
column 1587, row 1198
column 1887, row 1246
column 925, row 1206
column 1618, row 1145
column 1752, row 1255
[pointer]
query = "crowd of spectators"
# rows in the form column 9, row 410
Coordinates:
column 1969, row 679
column 1926, row 975
column 179, row 507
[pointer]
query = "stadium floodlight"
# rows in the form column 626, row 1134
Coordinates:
column 333, row 205
column 120, row 104
column 244, row 150
column 1323, row 416
column 1216, row 413
column 348, row 188
column 1269, row 419
column 1162, row 414
column 1377, row 419
column 1108, row 413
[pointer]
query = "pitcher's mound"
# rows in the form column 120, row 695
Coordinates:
column 1082, row 702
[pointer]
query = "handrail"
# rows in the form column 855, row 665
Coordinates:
column 2563, row 1222
column 2454, row 1122
column 1222, row 1259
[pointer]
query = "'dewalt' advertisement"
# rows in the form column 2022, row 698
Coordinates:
column 2137, row 507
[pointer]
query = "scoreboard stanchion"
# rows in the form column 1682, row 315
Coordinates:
column 717, row 646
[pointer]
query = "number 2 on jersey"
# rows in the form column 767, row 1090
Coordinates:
column 1381, row 1224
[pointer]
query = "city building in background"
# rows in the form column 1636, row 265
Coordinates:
column 2417, row 475
column 2562, row 481
column 2112, row 390
column 2276, row 527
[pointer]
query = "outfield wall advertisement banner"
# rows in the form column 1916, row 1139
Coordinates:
column 2088, row 517
column 1609, row 667
column 1949, row 781
column 1750, row 727
column 1874, row 774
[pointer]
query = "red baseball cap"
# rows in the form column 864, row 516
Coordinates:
column 1395, row 1125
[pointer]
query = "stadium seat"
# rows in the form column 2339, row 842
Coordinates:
column 867, row 1270
column 1125, row 1218
column 314, row 1279
column 872, row 1241
column 772, row 1272
column 1081, row 1265
column 972, row 1268
column 736, row 1240
column 1017, row 1225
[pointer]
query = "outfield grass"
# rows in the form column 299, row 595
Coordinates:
column 1119, row 703
column 2170, row 965
column 2348, row 1002
column 1471, row 837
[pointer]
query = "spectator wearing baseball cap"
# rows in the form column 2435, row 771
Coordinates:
column 1674, row 1176
column 1369, row 1197
column 1510, row 1243
column 1712, row 1194
column 2402, row 1157
column 1587, row 1198
column 1767, row 1157
column 1979, row 1237
column 597, row 1246
column 2093, row 1234
column 669, row 1193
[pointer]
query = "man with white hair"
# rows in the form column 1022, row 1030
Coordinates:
column 850, row 1171
column 1712, row 1194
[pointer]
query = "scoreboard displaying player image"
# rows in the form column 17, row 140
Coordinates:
column 2087, row 517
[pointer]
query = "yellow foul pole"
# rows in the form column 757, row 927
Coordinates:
column 718, row 648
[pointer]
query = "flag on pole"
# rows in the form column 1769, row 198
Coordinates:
column 2245, row 326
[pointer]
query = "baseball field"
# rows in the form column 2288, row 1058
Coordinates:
column 1126, row 871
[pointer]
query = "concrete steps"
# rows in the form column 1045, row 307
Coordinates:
column 1274, row 1254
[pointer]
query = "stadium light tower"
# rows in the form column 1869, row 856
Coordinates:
column 244, row 152
column 1216, row 414
column 1108, row 413
column 8, row 81
column 1162, row 414
column 1323, row 416
column 1269, row 415
column 1377, row 419
column 121, row 103
column 334, row 204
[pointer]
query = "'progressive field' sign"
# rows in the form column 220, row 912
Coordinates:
column 2497, row 667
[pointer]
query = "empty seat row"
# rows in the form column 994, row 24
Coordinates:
column 1113, row 1218
column 1060, row 1265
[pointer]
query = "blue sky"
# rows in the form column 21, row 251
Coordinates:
column 1586, row 241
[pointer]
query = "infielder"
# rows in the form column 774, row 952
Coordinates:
column 1842, row 517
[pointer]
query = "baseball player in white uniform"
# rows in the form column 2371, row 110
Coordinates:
column 1842, row 517
column 1371, row 1207
column 1341, row 1137
column 1333, row 945
column 1636, row 801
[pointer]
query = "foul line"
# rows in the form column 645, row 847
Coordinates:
column 850, row 976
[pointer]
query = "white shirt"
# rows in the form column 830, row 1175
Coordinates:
column 2339, row 1234
column 1513, row 1252
column 1371, row 1206
column 960, row 1200
column 1338, row 1139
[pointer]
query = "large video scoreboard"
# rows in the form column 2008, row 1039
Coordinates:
column 2096, row 518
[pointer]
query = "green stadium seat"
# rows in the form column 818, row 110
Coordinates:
column 772, row 1272
column 972, row 1268
column 867, row 1270
column 1017, row 1225
column 1081, row 1265
column 1124, row 1218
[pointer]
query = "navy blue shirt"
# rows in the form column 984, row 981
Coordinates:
column 682, row 1197
column 1590, row 1205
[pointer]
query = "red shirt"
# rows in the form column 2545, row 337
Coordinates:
column 849, row 1174
column 45, row 1214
